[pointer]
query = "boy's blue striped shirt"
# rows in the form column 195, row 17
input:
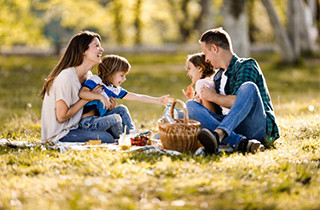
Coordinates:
column 108, row 92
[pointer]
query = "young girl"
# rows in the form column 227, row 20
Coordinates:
column 62, row 107
column 200, row 73
column 112, row 73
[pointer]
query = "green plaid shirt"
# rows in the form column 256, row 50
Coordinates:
column 242, row 70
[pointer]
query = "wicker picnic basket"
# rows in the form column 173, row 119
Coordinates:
column 182, row 135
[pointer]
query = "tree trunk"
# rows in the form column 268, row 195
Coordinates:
column 118, row 21
column 314, row 6
column 293, row 25
column 281, row 36
column 306, row 27
column 205, row 16
column 137, row 22
column 235, row 23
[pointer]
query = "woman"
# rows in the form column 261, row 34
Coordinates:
column 62, row 107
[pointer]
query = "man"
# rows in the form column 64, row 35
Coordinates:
column 247, row 119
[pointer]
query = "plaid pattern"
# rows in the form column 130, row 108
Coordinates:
column 242, row 70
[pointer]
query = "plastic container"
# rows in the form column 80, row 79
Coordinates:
column 167, row 116
column 124, row 142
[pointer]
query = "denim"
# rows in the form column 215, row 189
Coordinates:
column 245, row 119
column 104, row 123
column 123, row 111
column 247, row 115
column 83, row 135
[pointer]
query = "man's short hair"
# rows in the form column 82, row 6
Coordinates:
column 217, row 36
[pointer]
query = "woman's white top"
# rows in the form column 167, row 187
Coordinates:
column 66, row 87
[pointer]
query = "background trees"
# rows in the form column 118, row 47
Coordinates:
column 292, row 25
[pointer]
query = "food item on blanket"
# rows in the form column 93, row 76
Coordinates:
column 140, row 140
column 93, row 142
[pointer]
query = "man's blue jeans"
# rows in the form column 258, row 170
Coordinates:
column 246, row 118
column 123, row 111
column 104, row 123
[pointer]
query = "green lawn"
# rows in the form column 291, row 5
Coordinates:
column 286, row 177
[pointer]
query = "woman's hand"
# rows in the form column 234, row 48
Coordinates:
column 105, row 101
column 164, row 100
column 97, row 89
column 190, row 92
column 113, row 103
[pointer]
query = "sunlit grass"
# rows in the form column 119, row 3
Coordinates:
column 284, row 177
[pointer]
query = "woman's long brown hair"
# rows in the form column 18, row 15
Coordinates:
column 73, row 56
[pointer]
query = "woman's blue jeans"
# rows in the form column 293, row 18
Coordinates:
column 103, row 123
column 246, row 118
column 83, row 135
column 123, row 111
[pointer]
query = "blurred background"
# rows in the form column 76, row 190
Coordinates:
column 156, row 37
column 42, row 27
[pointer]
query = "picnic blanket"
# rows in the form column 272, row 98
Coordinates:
column 64, row 146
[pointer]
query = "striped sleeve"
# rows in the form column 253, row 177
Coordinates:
column 92, row 82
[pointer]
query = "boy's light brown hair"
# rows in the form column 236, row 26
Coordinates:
column 110, row 65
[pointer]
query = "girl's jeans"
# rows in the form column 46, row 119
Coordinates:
column 246, row 118
column 102, row 123
column 123, row 111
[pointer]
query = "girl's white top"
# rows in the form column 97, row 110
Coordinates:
column 201, row 82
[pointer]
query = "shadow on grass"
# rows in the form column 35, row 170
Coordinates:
column 155, row 157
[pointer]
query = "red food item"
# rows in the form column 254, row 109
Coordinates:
column 189, row 89
column 139, row 140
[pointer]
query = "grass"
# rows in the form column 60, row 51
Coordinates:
column 285, row 177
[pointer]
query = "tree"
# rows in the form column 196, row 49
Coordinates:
column 235, row 23
column 281, row 36
column 117, row 9
column 297, row 38
column 137, row 22
column 19, row 23
column 189, row 15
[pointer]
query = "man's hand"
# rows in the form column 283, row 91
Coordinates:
column 208, row 94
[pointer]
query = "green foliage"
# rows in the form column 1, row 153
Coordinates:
column 19, row 23
column 53, row 22
column 286, row 176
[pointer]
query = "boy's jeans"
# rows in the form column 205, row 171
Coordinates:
column 102, row 123
column 246, row 118
column 123, row 111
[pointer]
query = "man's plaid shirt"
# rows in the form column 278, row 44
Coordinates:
column 242, row 70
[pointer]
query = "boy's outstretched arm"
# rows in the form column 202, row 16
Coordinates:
column 164, row 100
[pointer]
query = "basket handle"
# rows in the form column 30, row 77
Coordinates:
column 185, row 110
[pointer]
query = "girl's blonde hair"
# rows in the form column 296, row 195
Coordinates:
column 199, row 60
column 110, row 65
